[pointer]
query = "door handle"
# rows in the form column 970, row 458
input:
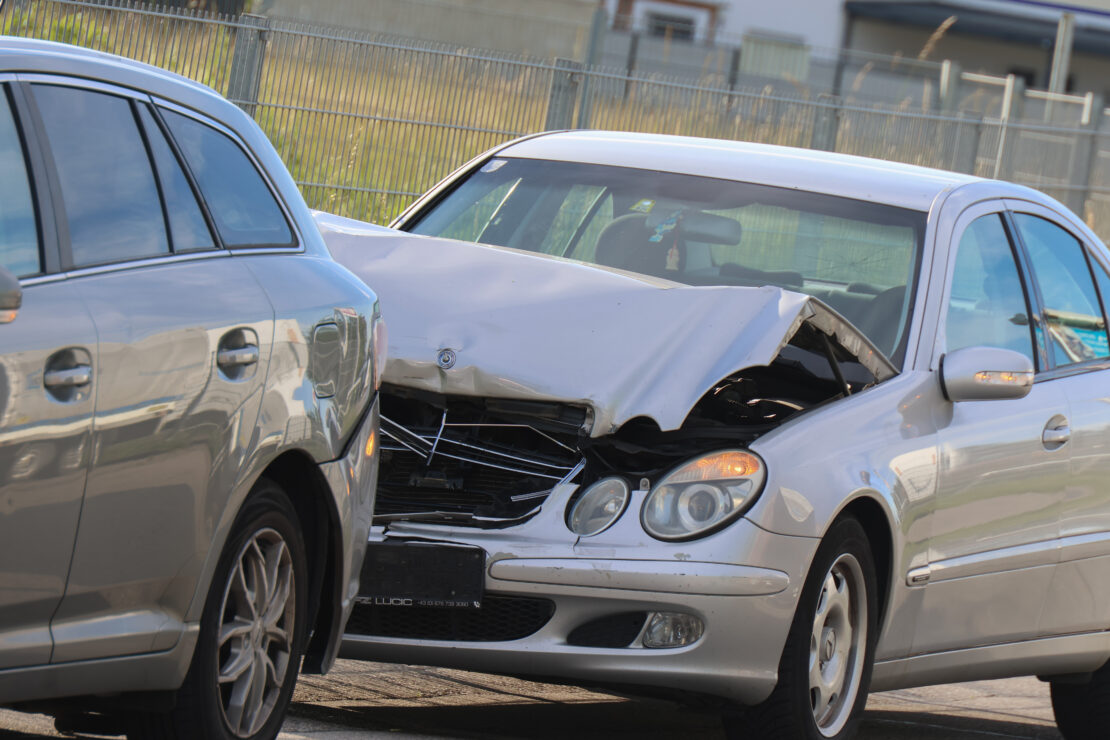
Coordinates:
column 1056, row 433
column 237, row 357
column 72, row 377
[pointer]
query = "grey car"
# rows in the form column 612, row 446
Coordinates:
column 745, row 424
column 188, row 411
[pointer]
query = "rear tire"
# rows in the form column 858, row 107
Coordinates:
column 825, row 668
column 252, row 632
column 1083, row 710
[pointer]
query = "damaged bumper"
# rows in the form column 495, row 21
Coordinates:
column 557, row 606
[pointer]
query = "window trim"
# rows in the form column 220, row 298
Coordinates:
column 175, row 152
column 37, row 175
column 1033, row 298
column 1037, row 211
column 67, row 264
column 969, row 215
column 298, row 244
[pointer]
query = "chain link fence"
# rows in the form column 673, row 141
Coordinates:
column 366, row 122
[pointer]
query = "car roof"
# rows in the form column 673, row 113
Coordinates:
column 48, row 57
column 863, row 178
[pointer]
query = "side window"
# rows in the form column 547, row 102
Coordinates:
column 188, row 230
column 987, row 304
column 19, row 240
column 241, row 204
column 1073, row 316
column 108, row 187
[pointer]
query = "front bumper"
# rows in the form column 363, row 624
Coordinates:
column 742, row 582
column 353, row 479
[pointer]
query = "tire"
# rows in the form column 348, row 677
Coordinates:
column 262, row 565
column 1083, row 710
column 835, row 631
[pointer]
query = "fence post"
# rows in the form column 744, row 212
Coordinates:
column 1013, row 104
column 245, row 75
column 826, row 123
column 564, row 94
column 950, row 75
column 630, row 64
column 593, row 58
column 1086, row 149
column 965, row 153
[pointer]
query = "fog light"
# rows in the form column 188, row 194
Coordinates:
column 671, row 629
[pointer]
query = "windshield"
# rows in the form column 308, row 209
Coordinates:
column 857, row 257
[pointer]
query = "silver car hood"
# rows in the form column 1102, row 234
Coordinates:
column 530, row 326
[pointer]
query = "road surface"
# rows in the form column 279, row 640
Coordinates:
column 363, row 701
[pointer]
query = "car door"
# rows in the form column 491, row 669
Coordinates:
column 996, row 518
column 1072, row 284
column 184, row 336
column 47, row 387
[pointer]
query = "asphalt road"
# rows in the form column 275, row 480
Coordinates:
column 369, row 700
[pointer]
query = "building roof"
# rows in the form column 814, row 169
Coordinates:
column 875, row 180
column 1023, row 21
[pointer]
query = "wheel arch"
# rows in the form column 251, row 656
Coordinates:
column 300, row 477
column 871, row 514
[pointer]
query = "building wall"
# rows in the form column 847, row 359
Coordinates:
column 1090, row 73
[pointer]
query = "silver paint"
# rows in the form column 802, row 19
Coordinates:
column 200, row 380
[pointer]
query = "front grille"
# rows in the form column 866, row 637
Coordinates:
column 501, row 618
column 463, row 456
column 613, row 631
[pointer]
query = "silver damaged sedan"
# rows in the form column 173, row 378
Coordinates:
column 188, row 408
column 740, row 423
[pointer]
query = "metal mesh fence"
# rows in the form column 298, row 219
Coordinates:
column 366, row 122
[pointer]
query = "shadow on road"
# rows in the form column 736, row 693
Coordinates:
column 635, row 719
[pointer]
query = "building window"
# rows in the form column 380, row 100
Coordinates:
column 674, row 26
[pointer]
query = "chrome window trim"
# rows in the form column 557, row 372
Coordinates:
column 248, row 251
column 38, row 78
column 52, row 277
column 267, row 179
column 147, row 262
column 1039, row 210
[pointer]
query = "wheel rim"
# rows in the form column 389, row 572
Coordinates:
column 256, row 631
column 837, row 645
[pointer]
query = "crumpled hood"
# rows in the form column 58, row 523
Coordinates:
column 534, row 327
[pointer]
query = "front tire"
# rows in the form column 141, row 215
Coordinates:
column 1083, row 710
column 825, row 669
column 252, row 632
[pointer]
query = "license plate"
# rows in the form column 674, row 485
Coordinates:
column 411, row 574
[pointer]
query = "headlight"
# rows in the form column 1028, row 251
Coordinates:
column 598, row 507
column 702, row 495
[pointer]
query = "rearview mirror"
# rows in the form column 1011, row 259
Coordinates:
column 985, row 374
column 11, row 296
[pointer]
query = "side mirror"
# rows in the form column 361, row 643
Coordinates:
column 11, row 296
column 985, row 374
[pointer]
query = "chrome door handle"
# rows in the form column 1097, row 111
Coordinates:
column 1056, row 436
column 72, row 377
column 236, row 357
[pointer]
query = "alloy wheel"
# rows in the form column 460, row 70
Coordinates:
column 256, row 631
